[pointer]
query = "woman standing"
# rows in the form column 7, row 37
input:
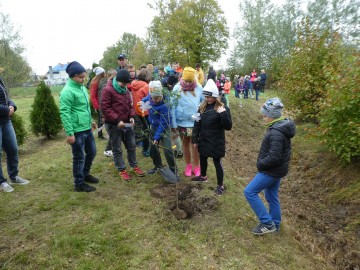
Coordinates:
column 209, row 134
column 189, row 95
column 94, row 89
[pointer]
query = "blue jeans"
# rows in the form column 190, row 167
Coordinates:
column 257, row 91
column 271, row 187
column 127, row 136
column 84, row 152
column 9, row 144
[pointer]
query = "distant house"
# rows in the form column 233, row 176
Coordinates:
column 57, row 75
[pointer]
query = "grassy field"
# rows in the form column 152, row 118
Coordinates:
column 46, row 225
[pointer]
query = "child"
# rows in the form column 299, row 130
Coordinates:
column 227, row 87
column 160, row 123
column 116, row 105
column 209, row 134
column 76, row 118
column 189, row 94
column 246, row 86
column 257, row 87
column 272, row 163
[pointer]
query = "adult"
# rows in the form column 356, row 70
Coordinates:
column 189, row 94
column 211, row 74
column 272, row 164
column 263, row 78
column 8, row 142
column 76, row 118
column 122, row 62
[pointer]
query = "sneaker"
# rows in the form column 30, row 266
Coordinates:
column 146, row 153
column 200, row 178
column 19, row 181
column 152, row 171
column 197, row 171
column 219, row 190
column 6, row 187
column 84, row 188
column 124, row 175
column 108, row 153
column 137, row 171
column 188, row 170
column 91, row 179
column 264, row 228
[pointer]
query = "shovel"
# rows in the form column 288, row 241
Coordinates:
column 166, row 173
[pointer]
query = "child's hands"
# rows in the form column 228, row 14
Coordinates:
column 132, row 122
column 155, row 142
column 221, row 109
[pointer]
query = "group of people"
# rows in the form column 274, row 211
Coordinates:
column 181, row 106
column 247, row 84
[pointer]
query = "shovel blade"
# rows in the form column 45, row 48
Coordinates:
column 168, row 175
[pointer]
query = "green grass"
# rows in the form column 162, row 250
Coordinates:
column 46, row 225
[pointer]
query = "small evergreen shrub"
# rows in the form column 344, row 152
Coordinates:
column 19, row 128
column 45, row 115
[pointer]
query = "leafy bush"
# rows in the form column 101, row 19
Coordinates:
column 45, row 115
column 339, row 116
column 19, row 128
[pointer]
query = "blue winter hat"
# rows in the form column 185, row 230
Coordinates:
column 272, row 108
column 74, row 68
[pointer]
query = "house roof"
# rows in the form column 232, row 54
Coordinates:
column 59, row 67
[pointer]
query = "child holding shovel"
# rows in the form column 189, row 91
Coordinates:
column 160, row 127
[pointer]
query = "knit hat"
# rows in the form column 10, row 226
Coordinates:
column 74, row 68
column 188, row 74
column 210, row 89
column 172, row 80
column 272, row 108
column 123, row 76
column 155, row 89
column 98, row 70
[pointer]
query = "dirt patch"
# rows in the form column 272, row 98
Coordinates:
column 185, row 200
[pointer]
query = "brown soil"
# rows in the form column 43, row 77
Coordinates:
column 185, row 199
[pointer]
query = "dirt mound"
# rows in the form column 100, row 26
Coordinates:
column 185, row 200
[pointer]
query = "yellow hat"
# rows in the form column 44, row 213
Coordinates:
column 188, row 74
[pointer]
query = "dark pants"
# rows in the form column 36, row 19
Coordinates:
column 127, row 136
column 145, row 132
column 84, row 152
column 9, row 144
column 168, row 152
column 99, row 123
column 218, row 167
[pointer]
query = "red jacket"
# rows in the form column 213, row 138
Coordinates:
column 116, row 107
column 139, row 90
column 94, row 87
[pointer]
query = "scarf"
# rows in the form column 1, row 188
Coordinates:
column 273, row 122
column 187, row 87
column 117, row 87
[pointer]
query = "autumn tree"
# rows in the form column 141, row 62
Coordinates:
column 189, row 31
column 16, row 69
column 124, row 45
column 45, row 115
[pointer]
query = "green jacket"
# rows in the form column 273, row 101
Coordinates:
column 75, row 108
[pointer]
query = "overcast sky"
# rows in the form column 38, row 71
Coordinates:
column 67, row 30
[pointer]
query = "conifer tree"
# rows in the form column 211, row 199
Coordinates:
column 45, row 115
column 19, row 128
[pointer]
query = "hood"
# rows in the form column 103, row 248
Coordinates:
column 137, row 84
column 286, row 126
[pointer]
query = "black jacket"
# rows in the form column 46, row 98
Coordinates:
column 5, row 102
column 275, row 150
column 209, row 132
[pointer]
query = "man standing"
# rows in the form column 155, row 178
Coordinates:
column 76, row 118
column 199, row 74
column 122, row 61
column 8, row 142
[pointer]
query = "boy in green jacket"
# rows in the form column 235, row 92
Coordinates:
column 76, row 118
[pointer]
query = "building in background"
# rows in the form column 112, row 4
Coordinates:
column 56, row 75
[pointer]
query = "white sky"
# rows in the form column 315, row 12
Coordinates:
column 67, row 30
